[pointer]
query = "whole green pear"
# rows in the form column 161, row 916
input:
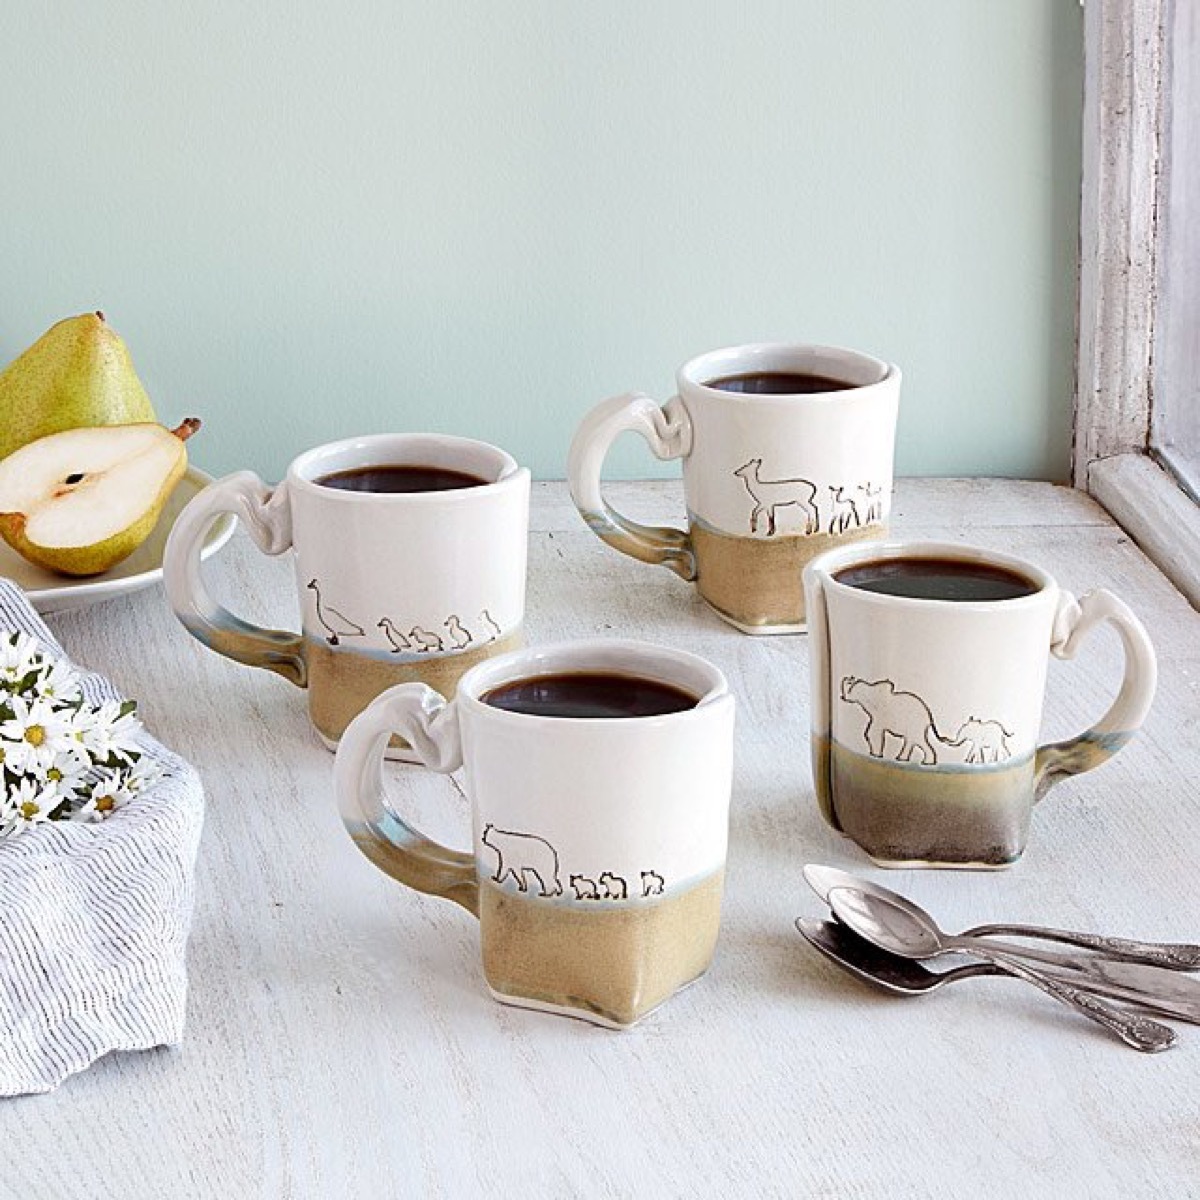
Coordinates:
column 77, row 374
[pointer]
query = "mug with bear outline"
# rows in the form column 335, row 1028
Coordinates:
column 598, row 844
column 926, row 712
column 770, row 480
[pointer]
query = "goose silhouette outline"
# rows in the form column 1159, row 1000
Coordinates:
column 341, row 625
column 393, row 634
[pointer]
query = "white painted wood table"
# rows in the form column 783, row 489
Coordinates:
column 340, row 1042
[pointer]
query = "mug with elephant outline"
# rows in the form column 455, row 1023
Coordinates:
column 393, row 587
column 598, row 846
column 926, row 712
column 770, row 480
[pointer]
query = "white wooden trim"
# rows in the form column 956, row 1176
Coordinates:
column 1147, row 503
column 1125, row 179
column 1122, row 126
column 1175, row 419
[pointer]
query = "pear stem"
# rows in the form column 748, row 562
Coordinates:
column 186, row 428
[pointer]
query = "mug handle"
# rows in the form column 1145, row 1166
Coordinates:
column 267, row 515
column 1073, row 621
column 430, row 725
column 668, row 430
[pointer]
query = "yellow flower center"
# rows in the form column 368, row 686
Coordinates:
column 104, row 804
column 35, row 735
column 29, row 810
column 54, row 775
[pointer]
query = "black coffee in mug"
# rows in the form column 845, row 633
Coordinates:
column 937, row 579
column 400, row 478
column 779, row 383
column 590, row 694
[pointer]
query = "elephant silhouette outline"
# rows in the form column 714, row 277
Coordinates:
column 904, row 715
column 986, row 741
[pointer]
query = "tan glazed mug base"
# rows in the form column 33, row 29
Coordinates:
column 343, row 682
column 754, row 584
column 611, row 966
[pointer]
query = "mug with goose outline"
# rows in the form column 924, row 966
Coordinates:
column 926, row 712
column 394, row 587
column 770, row 480
column 598, row 844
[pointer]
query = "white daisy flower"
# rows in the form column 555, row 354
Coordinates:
column 109, row 793
column 106, row 731
column 28, row 803
column 34, row 736
column 58, row 683
column 18, row 655
column 68, row 774
column 60, row 756
column 142, row 774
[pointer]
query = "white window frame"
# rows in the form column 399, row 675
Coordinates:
column 1126, row 97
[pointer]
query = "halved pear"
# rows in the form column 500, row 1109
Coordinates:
column 80, row 501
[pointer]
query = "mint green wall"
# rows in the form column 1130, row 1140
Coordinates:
column 310, row 219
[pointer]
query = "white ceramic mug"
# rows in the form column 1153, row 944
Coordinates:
column 598, row 844
column 926, row 712
column 770, row 481
column 392, row 586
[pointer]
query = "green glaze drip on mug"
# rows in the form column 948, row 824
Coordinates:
column 418, row 862
column 274, row 649
column 1061, row 759
column 648, row 544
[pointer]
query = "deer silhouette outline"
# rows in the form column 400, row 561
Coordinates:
column 770, row 494
column 845, row 511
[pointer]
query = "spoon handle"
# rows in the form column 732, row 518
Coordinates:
column 1139, row 1032
column 1177, row 956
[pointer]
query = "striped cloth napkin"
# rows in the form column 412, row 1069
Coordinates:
column 94, row 918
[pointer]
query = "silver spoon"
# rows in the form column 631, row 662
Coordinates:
column 909, row 977
column 904, row 976
column 1091, row 971
column 1174, row 956
column 899, row 931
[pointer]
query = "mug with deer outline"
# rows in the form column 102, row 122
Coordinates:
column 394, row 587
column 926, row 708
column 770, row 480
column 598, row 845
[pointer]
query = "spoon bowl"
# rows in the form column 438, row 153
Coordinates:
column 888, row 925
column 902, row 976
column 896, row 928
